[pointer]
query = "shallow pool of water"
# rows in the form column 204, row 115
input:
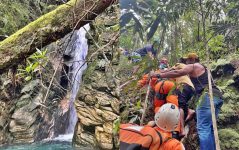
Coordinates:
column 50, row 145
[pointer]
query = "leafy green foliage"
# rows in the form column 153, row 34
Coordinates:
column 34, row 63
column 229, row 26
column 138, row 104
column 230, row 139
column 116, row 126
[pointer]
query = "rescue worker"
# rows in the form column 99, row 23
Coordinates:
column 199, row 77
column 166, row 92
column 163, row 65
column 146, row 81
column 177, row 91
column 185, row 91
column 134, row 137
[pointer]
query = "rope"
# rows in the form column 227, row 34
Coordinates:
column 145, row 104
column 214, row 122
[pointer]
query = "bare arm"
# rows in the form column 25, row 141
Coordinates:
column 177, row 73
column 164, row 71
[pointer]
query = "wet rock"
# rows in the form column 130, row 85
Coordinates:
column 88, row 116
column 106, row 108
column 109, row 116
column 89, row 100
column 2, row 138
column 3, row 121
column 6, row 90
column 115, row 105
column 103, row 99
column 97, row 106
column 108, row 127
column 24, row 100
column 104, row 139
column 24, row 117
column 31, row 87
column 82, row 137
column 23, row 124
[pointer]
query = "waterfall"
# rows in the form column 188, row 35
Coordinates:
column 80, row 49
column 75, row 60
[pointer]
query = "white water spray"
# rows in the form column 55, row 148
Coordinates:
column 77, row 69
column 78, row 51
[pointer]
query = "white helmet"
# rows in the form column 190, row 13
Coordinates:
column 167, row 117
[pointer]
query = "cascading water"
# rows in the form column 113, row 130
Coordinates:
column 76, row 51
column 76, row 70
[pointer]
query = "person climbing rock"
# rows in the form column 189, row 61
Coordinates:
column 137, row 55
column 177, row 91
column 145, row 80
column 151, row 50
column 166, row 92
column 199, row 77
column 156, row 136
column 185, row 91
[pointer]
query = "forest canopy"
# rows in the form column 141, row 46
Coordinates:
column 178, row 25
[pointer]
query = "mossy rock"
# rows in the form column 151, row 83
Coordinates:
column 229, row 139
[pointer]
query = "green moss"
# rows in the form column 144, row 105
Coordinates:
column 229, row 139
column 219, row 63
column 15, row 14
column 227, row 111
column 224, row 82
column 41, row 28
column 89, row 72
column 43, row 21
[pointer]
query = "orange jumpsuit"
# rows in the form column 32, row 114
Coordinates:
column 145, row 137
column 145, row 80
column 165, row 92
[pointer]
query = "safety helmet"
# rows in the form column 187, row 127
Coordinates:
column 167, row 117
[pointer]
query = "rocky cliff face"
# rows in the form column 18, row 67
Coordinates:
column 97, row 104
column 26, row 114
column 226, row 73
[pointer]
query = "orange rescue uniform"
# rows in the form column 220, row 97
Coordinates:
column 145, row 80
column 134, row 137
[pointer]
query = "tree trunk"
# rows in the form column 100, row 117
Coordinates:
column 49, row 28
column 175, row 55
column 173, row 45
column 161, row 44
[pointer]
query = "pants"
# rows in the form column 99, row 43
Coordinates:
column 184, row 96
column 204, row 121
